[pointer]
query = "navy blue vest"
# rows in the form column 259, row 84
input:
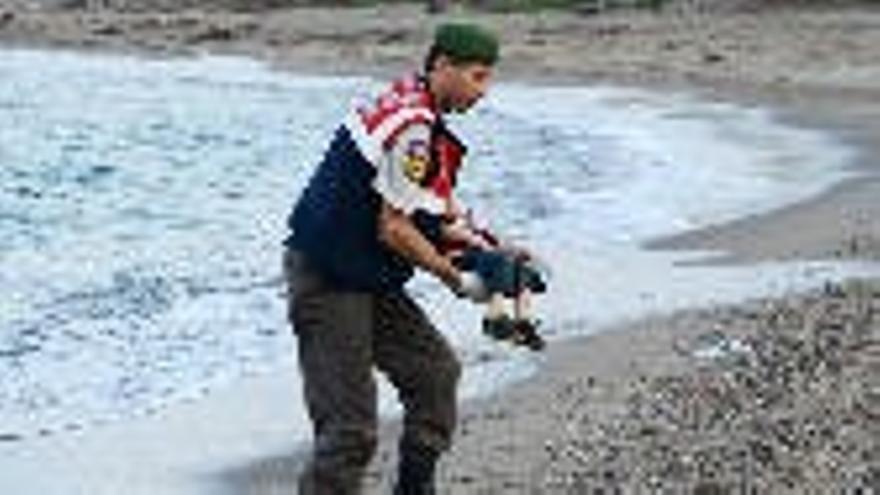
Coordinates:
column 334, row 224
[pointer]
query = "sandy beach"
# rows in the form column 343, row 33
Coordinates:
column 768, row 396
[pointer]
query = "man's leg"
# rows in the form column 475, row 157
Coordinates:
column 334, row 335
column 422, row 366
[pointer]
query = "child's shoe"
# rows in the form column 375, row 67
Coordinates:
column 499, row 327
column 519, row 332
column 525, row 333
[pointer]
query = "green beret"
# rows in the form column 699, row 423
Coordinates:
column 464, row 42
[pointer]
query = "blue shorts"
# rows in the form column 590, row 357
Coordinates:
column 501, row 272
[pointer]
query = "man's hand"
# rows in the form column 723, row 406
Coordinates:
column 516, row 252
column 397, row 231
column 471, row 286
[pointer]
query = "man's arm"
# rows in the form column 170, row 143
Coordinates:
column 399, row 182
column 398, row 232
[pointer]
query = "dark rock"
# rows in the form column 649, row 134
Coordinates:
column 6, row 17
column 213, row 32
column 713, row 57
column 10, row 437
column 107, row 30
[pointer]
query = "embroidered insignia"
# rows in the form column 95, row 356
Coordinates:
column 416, row 162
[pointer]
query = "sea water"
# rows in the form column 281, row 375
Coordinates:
column 143, row 204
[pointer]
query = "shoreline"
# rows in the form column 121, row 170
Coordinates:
column 512, row 442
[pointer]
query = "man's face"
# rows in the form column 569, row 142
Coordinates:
column 465, row 84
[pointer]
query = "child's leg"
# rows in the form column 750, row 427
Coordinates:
column 495, row 306
column 522, row 296
column 497, row 321
column 522, row 305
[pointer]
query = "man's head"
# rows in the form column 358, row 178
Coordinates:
column 459, row 65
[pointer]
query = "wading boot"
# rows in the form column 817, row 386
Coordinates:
column 415, row 473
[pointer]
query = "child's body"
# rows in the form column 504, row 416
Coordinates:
column 510, row 279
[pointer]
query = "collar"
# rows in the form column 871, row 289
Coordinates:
column 423, row 82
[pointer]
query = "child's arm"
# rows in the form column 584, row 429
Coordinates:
column 514, row 251
column 460, row 235
column 462, row 231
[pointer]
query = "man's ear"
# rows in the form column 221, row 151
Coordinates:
column 442, row 62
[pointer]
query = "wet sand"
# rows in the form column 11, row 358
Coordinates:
column 792, row 403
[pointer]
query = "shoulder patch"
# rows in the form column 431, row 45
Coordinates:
column 417, row 161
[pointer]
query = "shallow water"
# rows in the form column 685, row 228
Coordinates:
column 142, row 204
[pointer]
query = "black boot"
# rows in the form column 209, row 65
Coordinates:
column 415, row 473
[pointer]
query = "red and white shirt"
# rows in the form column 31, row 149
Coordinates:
column 402, row 135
